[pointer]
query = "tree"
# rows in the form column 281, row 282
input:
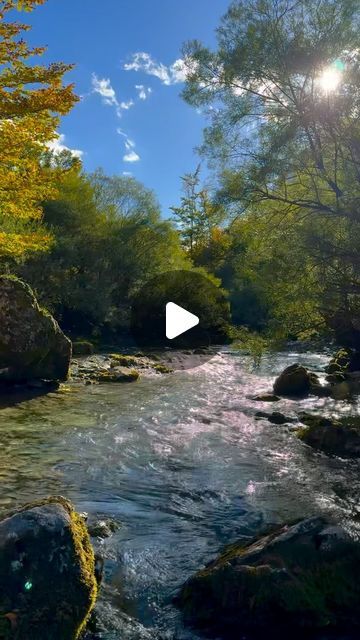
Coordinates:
column 197, row 216
column 31, row 99
column 285, row 95
column 108, row 240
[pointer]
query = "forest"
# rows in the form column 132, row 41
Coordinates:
column 212, row 484
column 277, row 226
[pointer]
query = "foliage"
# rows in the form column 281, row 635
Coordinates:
column 31, row 99
column 283, row 87
column 198, row 215
column 108, row 240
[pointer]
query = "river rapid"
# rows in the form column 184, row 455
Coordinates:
column 181, row 463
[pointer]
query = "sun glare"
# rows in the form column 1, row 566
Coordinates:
column 330, row 79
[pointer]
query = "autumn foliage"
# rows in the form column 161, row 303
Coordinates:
column 32, row 97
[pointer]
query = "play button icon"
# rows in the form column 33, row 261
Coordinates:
column 178, row 320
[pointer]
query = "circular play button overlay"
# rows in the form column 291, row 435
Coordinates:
column 183, row 315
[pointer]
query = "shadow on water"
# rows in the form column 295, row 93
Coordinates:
column 10, row 396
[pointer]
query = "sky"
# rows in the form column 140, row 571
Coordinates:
column 127, row 55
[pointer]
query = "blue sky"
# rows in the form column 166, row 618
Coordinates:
column 131, row 117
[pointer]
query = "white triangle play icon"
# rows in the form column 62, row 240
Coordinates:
column 178, row 320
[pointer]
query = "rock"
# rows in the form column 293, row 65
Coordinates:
column 266, row 397
column 119, row 374
column 275, row 417
column 82, row 348
column 32, row 345
column 162, row 368
column 297, row 381
column 102, row 528
column 342, row 368
column 47, row 572
column 302, row 577
column 339, row 437
column 118, row 359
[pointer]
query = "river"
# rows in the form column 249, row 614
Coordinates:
column 180, row 462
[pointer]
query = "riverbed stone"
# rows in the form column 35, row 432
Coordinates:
column 296, row 380
column 276, row 417
column 32, row 345
column 335, row 436
column 266, row 397
column 302, row 577
column 48, row 586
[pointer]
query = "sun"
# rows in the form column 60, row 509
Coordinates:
column 330, row 79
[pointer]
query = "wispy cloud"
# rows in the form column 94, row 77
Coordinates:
column 143, row 92
column 130, row 155
column 127, row 105
column 58, row 145
column 168, row 75
column 103, row 87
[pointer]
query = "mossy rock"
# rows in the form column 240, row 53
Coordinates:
column 302, row 577
column 118, row 375
column 118, row 359
column 48, row 586
column 83, row 348
column 162, row 368
column 342, row 366
column 32, row 345
column 335, row 436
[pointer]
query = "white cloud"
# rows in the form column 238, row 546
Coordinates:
column 127, row 105
column 127, row 174
column 103, row 87
column 143, row 92
column 58, row 145
column 132, row 156
column 168, row 75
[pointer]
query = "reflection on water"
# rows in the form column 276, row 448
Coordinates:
column 182, row 464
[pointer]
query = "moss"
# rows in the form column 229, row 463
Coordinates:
column 162, row 368
column 118, row 376
column 119, row 359
column 85, row 553
column 36, row 615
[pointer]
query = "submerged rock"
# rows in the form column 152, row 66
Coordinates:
column 48, row 586
column 339, row 437
column 295, row 380
column 275, row 417
column 32, row 345
column 102, row 528
column 266, row 397
column 302, row 577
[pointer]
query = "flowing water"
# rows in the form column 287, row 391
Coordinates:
column 180, row 462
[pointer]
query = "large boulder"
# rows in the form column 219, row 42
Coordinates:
column 32, row 345
column 48, row 586
column 295, row 380
column 300, row 577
